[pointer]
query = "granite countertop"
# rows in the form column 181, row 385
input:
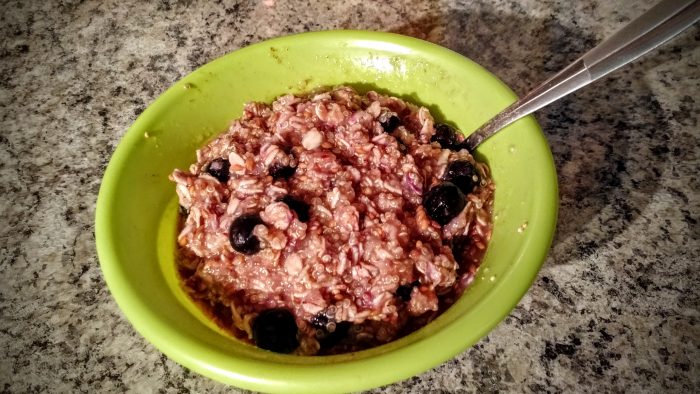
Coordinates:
column 614, row 309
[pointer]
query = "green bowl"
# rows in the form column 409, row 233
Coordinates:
column 137, row 206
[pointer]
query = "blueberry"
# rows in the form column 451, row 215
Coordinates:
column 443, row 202
column 446, row 136
column 299, row 207
column 404, row 291
column 320, row 321
column 276, row 330
column 218, row 168
column 241, row 234
column 278, row 171
column 391, row 124
column 463, row 174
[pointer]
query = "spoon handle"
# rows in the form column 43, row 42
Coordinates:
column 656, row 26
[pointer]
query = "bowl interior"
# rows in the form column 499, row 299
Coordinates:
column 137, row 207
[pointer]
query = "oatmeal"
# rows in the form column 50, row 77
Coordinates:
column 331, row 222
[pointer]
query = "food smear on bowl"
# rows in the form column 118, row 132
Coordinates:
column 331, row 222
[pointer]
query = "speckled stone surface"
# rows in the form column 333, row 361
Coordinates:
column 614, row 309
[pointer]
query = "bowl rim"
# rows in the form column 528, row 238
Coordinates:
column 347, row 375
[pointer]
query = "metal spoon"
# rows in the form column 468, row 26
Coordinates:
column 656, row 26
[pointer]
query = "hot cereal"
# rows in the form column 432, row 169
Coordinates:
column 332, row 222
